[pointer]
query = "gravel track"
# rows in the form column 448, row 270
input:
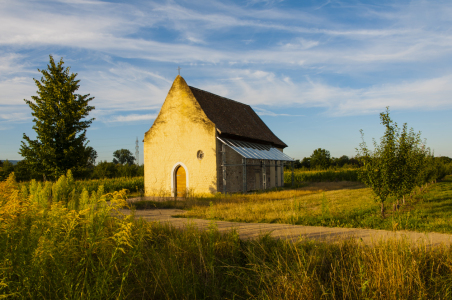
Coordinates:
column 294, row 232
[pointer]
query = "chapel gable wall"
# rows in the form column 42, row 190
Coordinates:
column 178, row 133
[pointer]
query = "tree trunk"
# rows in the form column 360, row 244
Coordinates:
column 403, row 200
column 382, row 210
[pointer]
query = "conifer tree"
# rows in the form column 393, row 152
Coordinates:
column 60, row 124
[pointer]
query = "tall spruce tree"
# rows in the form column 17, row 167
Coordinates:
column 60, row 124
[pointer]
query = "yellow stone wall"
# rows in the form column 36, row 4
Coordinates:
column 179, row 131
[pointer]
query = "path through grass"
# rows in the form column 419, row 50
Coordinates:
column 343, row 204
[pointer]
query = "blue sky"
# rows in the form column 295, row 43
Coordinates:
column 315, row 72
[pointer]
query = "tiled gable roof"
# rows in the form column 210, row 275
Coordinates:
column 235, row 119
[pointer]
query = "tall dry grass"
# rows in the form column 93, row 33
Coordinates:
column 335, row 204
column 132, row 184
column 64, row 250
column 288, row 206
column 163, row 199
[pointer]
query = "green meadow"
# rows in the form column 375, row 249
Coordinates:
column 81, row 247
column 334, row 204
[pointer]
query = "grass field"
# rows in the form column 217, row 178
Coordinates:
column 51, row 250
column 334, row 204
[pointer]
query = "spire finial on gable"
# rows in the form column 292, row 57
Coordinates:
column 178, row 70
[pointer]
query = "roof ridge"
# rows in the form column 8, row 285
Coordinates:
column 192, row 87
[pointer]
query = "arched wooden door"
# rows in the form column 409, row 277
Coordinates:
column 181, row 182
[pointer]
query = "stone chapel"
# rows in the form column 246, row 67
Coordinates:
column 204, row 143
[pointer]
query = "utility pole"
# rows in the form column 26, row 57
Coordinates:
column 137, row 152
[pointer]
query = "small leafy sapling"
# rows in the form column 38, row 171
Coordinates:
column 396, row 165
column 379, row 165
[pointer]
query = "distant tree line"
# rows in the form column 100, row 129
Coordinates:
column 321, row 159
column 122, row 165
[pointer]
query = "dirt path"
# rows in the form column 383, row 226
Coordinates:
column 293, row 232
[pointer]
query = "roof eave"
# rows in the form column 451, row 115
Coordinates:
column 247, row 139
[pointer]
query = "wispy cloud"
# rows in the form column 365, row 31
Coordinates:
column 125, row 87
column 425, row 94
column 132, row 118
column 15, row 117
column 428, row 94
column 128, row 55
column 264, row 112
column 12, row 63
column 342, row 58
column 109, row 27
column 5, row 127
column 15, row 90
